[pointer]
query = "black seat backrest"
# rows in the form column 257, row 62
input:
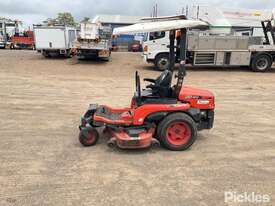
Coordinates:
column 163, row 83
column 165, row 79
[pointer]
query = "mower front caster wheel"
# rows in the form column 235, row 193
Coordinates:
column 88, row 137
column 177, row 132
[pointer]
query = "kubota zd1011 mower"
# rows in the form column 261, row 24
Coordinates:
column 160, row 114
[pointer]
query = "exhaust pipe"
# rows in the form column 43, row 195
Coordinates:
column 112, row 143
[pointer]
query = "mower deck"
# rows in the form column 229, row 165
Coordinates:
column 132, row 138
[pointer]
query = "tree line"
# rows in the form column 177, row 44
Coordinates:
column 64, row 18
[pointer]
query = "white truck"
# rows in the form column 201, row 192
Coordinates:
column 94, row 41
column 54, row 40
column 204, row 48
column 7, row 29
column 2, row 35
column 2, row 41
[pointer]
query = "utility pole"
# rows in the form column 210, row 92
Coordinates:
column 182, row 10
column 155, row 11
column 198, row 12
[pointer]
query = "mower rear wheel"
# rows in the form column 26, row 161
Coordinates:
column 177, row 132
column 88, row 138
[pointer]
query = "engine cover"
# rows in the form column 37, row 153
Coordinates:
column 198, row 98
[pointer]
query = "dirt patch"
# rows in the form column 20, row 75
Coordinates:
column 42, row 162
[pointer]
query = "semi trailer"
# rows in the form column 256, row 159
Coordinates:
column 54, row 40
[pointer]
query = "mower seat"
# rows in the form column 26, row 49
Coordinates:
column 147, row 97
column 158, row 92
column 161, row 87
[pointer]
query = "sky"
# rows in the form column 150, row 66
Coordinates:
column 35, row 11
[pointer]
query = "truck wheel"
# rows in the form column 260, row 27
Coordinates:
column 105, row 59
column 73, row 60
column 162, row 62
column 46, row 54
column 177, row 132
column 88, row 138
column 261, row 63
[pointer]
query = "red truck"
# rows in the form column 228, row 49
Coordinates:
column 23, row 40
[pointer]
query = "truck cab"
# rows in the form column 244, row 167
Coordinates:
column 156, row 50
column 7, row 29
column 2, row 35
column 2, row 41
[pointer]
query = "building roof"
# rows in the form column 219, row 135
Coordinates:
column 117, row 19
column 7, row 21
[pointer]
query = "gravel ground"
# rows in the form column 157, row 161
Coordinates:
column 42, row 162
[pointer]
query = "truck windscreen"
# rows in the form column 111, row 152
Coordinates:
column 156, row 35
column 145, row 38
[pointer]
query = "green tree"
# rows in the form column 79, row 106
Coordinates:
column 66, row 18
column 85, row 19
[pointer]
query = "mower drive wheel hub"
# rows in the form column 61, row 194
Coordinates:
column 90, row 138
column 178, row 133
